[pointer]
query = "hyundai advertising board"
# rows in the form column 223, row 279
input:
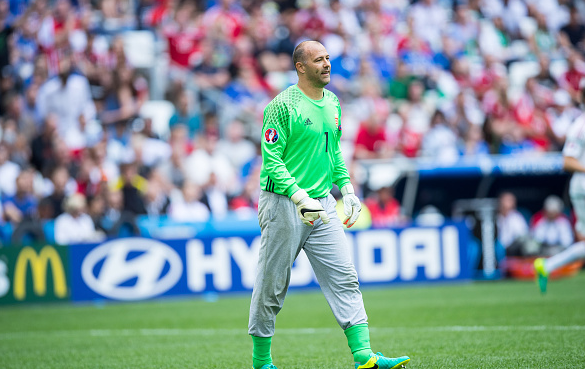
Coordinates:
column 131, row 269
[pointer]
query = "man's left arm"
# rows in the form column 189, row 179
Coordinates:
column 340, row 173
column 351, row 204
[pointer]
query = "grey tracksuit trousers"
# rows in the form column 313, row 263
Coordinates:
column 283, row 237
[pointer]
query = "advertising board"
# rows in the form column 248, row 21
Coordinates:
column 34, row 274
column 130, row 269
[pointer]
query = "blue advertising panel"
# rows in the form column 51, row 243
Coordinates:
column 494, row 165
column 132, row 269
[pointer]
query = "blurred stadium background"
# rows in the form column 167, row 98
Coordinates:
column 129, row 169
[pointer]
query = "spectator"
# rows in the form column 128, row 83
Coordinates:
column 429, row 21
column 96, row 209
column 63, row 185
column 173, row 169
column 384, row 208
column 150, row 152
column 133, row 187
column 6, row 31
column 560, row 117
column 209, row 159
column 214, row 198
column 88, row 177
column 68, row 97
column 542, row 40
column 107, row 169
column 370, row 141
column 115, row 16
column 148, row 129
column 495, row 41
column 343, row 67
column 226, row 19
column 473, row 143
column 14, row 110
column 157, row 201
column 400, row 84
column 123, row 98
column 114, row 206
column 184, row 35
column 416, row 52
column 75, row 225
column 183, row 115
column 246, row 203
column 464, row 113
column 464, row 30
column 544, row 77
column 42, row 149
column 416, row 120
column 515, row 142
column 429, row 216
column 237, row 148
column 419, row 118
column 440, row 142
column 574, row 32
column 188, row 207
column 211, row 76
column 529, row 113
column 23, row 204
column 551, row 228
column 511, row 225
column 21, row 151
column 9, row 171
column 571, row 79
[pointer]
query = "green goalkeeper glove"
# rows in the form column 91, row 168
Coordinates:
column 309, row 209
column 351, row 205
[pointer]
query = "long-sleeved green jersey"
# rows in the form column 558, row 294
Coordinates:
column 300, row 144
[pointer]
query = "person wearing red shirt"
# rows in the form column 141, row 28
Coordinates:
column 370, row 142
column 184, row 37
column 384, row 208
column 571, row 80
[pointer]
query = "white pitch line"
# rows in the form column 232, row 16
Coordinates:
column 288, row 331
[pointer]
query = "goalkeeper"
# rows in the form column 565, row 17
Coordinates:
column 301, row 159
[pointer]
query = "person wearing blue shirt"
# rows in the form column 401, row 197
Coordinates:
column 23, row 205
column 184, row 117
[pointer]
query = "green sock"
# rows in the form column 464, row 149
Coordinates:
column 358, row 340
column 261, row 354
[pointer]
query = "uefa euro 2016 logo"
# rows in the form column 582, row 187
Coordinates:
column 270, row 136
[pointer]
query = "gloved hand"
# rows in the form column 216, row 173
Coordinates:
column 309, row 209
column 351, row 205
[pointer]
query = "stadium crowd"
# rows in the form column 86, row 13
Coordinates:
column 432, row 78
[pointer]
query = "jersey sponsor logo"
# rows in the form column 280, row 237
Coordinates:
column 270, row 136
column 308, row 122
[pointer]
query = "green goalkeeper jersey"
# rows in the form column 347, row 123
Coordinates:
column 300, row 144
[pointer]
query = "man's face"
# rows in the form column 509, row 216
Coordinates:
column 317, row 67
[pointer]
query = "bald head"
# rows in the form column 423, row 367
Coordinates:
column 313, row 67
column 301, row 53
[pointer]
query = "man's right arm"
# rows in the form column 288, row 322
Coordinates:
column 276, row 130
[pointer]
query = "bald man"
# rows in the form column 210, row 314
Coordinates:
column 301, row 159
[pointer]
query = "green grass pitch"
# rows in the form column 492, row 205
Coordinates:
column 477, row 325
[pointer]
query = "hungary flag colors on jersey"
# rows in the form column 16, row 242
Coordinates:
column 300, row 144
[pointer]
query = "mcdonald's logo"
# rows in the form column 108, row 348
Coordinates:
column 38, row 263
